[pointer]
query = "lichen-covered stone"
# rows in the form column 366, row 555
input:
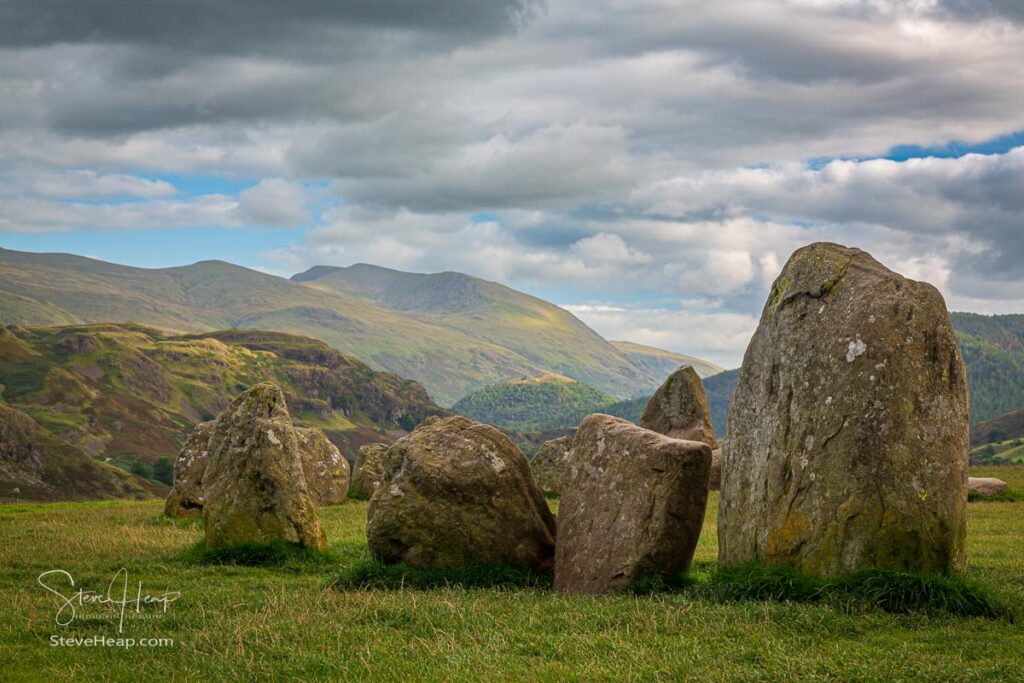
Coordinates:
column 632, row 506
column 186, row 496
column 986, row 486
column 325, row 469
column 716, row 469
column 679, row 409
column 254, row 489
column 549, row 464
column 848, row 431
column 369, row 470
column 455, row 493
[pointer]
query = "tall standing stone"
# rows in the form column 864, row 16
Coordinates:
column 325, row 469
column 679, row 409
column 457, row 492
column 848, row 432
column 254, row 489
column 186, row 496
column 548, row 465
column 369, row 470
column 632, row 506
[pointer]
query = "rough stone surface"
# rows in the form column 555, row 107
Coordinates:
column 632, row 506
column 457, row 492
column 186, row 496
column 548, row 464
column 986, row 486
column 679, row 409
column 848, row 432
column 254, row 489
column 369, row 469
column 716, row 469
column 325, row 469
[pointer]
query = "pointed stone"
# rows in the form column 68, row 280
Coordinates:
column 679, row 409
column 254, row 489
column 548, row 465
column 369, row 470
column 325, row 469
column 186, row 496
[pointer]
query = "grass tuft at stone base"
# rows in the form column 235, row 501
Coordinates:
column 370, row 574
column 280, row 555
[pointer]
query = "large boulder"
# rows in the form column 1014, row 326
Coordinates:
column 986, row 486
column 679, row 409
column 632, row 506
column 369, row 470
column 186, row 496
column 848, row 432
column 254, row 489
column 716, row 469
column 457, row 492
column 325, row 469
column 549, row 464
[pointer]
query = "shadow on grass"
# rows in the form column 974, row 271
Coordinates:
column 896, row 592
column 1007, row 496
column 370, row 574
column 279, row 555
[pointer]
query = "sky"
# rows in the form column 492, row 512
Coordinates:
column 647, row 164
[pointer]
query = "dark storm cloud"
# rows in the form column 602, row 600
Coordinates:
column 243, row 26
column 982, row 9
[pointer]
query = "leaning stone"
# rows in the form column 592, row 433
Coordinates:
column 549, row 464
column 186, row 496
column 632, row 506
column 847, row 444
column 986, row 486
column 325, row 469
column 679, row 409
column 254, row 489
column 369, row 470
column 457, row 492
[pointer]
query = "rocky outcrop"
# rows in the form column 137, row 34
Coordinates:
column 369, row 470
column 457, row 492
column 848, row 432
column 186, row 497
column 632, row 506
column 254, row 489
column 325, row 469
column 986, row 486
column 679, row 409
column 549, row 464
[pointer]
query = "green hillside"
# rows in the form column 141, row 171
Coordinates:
column 1007, row 426
column 1009, row 452
column 35, row 465
column 531, row 404
column 131, row 394
column 993, row 349
column 664, row 363
column 451, row 332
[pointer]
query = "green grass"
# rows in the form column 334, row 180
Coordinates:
column 300, row 621
column 282, row 555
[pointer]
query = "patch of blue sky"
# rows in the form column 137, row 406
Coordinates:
column 950, row 150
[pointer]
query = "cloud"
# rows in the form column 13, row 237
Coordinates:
column 274, row 202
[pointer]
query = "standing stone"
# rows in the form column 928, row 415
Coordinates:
column 679, row 409
column 848, row 432
column 325, row 469
column 254, row 490
column 716, row 469
column 186, row 496
column 369, row 470
column 549, row 464
column 457, row 492
column 632, row 506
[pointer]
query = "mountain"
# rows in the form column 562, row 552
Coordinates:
column 531, row 404
column 130, row 394
column 451, row 332
column 663, row 363
column 1005, row 427
column 993, row 350
column 35, row 465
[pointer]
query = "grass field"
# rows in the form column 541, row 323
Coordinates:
column 246, row 623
